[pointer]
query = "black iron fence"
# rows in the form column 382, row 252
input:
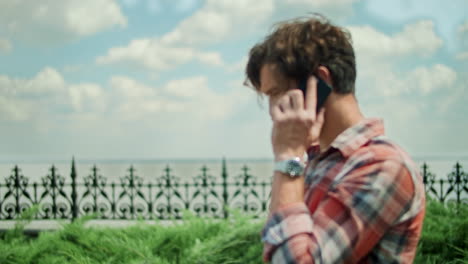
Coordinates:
column 168, row 197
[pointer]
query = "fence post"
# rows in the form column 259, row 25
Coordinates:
column 424, row 172
column 442, row 194
column 458, row 181
column 17, row 187
column 224, row 175
column 74, row 205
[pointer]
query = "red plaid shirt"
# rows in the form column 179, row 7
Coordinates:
column 364, row 203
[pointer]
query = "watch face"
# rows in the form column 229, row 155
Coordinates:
column 294, row 168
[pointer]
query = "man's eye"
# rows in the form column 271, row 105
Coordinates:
column 274, row 94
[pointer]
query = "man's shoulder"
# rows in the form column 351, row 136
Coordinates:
column 381, row 149
column 386, row 155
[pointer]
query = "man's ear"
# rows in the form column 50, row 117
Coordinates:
column 324, row 74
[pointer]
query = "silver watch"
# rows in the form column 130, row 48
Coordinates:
column 292, row 167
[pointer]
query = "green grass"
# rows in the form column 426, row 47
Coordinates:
column 445, row 234
column 444, row 240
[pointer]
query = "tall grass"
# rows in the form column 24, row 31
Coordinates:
column 196, row 240
column 445, row 234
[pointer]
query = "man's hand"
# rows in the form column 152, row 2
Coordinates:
column 296, row 124
column 295, row 127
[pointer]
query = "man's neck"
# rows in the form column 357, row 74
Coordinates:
column 342, row 112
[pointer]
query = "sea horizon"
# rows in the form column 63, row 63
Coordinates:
column 184, row 168
column 416, row 157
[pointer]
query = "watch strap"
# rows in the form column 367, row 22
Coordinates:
column 293, row 167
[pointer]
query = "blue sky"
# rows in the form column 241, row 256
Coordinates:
column 162, row 79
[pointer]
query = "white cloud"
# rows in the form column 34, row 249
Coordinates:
column 134, row 100
column 218, row 19
column 418, row 38
column 414, row 104
column 384, row 81
column 378, row 58
column 336, row 10
column 463, row 28
column 202, row 102
column 13, row 110
column 48, row 20
column 252, row 17
column 130, row 88
column 205, row 103
column 151, row 54
column 239, row 66
column 321, row 3
column 5, row 45
column 456, row 95
column 210, row 58
column 47, row 82
column 417, row 101
column 157, row 6
column 462, row 56
column 446, row 15
column 87, row 97
column 430, row 79
column 47, row 94
column 462, row 42
column 188, row 88
column 189, row 100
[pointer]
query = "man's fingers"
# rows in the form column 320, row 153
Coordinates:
column 275, row 113
column 279, row 107
column 285, row 103
column 311, row 96
column 291, row 102
column 297, row 99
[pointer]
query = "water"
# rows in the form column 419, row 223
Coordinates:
column 185, row 170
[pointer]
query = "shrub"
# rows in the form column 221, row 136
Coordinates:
column 197, row 240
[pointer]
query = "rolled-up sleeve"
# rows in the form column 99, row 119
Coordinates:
column 292, row 221
column 348, row 222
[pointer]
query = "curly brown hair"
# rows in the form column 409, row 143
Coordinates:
column 298, row 47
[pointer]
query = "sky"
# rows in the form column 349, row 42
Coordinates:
column 163, row 79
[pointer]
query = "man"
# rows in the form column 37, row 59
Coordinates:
column 359, row 198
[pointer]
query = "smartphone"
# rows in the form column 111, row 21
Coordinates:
column 323, row 91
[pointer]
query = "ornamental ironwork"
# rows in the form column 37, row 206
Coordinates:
column 58, row 197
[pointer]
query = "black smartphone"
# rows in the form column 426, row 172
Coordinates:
column 323, row 91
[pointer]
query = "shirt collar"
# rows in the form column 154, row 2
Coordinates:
column 356, row 136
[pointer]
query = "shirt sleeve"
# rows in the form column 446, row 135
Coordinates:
column 312, row 152
column 349, row 221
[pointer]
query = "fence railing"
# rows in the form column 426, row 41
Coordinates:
column 131, row 198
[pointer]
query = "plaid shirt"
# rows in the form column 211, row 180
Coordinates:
column 364, row 203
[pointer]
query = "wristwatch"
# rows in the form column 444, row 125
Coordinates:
column 292, row 167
